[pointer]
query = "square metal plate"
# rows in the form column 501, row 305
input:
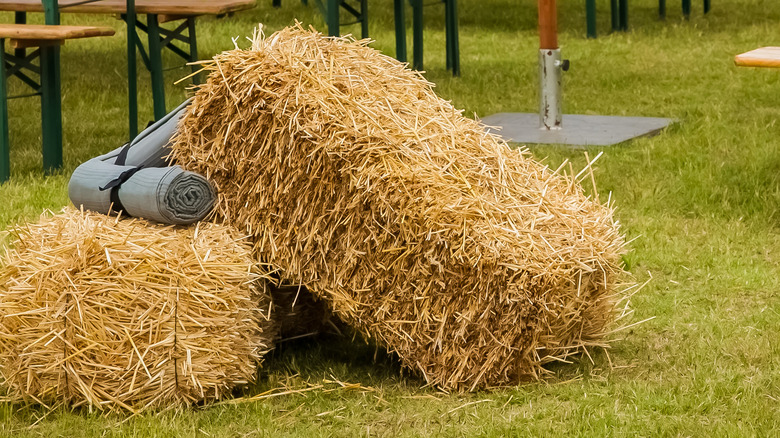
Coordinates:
column 578, row 130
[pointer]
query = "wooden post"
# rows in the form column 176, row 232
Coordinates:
column 550, row 116
column 548, row 24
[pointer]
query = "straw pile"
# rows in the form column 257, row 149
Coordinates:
column 127, row 315
column 471, row 261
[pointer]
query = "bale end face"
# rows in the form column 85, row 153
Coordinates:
column 127, row 315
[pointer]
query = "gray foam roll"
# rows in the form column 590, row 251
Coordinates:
column 178, row 197
column 168, row 195
column 152, row 146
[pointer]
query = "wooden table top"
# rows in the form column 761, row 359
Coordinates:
column 161, row 7
column 763, row 57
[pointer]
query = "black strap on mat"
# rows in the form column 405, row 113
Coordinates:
column 117, row 182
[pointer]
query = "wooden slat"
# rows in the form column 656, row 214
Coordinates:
column 51, row 32
column 165, row 7
column 763, row 57
column 24, row 44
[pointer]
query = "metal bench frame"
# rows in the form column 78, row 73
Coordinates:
column 21, row 65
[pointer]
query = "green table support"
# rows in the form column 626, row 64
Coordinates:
column 51, row 103
column 158, row 39
column 332, row 10
column 155, row 66
column 132, row 70
column 51, row 108
column 613, row 15
column 332, row 17
column 623, row 14
column 590, row 18
column 417, row 34
column 686, row 8
column 193, row 49
column 453, row 45
column 5, row 150
column 400, row 30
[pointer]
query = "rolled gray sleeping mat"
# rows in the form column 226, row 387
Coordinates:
column 170, row 195
column 151, row 147
column 133, row 179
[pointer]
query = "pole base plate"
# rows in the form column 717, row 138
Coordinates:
column 577, row 130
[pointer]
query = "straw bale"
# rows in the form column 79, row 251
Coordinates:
column 470, row 260
column 122, row 314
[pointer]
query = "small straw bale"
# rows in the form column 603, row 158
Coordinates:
column 470, row 260
column 124, row 315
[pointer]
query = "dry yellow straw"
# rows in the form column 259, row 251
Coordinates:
column 470, row 260
column 127, row 315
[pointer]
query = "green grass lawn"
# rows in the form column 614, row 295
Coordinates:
column 701, row 199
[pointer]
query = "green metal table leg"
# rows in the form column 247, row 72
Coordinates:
column 5, row 148
column 662, row 9
column 20, row 18
column 417, row 34
column 614, row 14
column 193, row 48
column 51, row 108
column 453, row 45
column 364, row 18
column 447, row 34
column 590, row 17
column 332, row 17
column 706, row 6
column 132, row 71
column 400, row 30
column 686, row 8
column 155, row 66
column 623, row 15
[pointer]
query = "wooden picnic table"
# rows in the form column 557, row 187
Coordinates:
column 46, row 40
column 159, row 7
column 761, row 57
column 159, row 38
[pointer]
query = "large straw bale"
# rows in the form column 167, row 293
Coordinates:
column 127, row 315
column 472, row 261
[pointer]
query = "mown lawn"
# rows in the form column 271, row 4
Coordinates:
column 701, row 200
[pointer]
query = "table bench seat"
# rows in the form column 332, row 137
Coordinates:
column 33, row 35
column 761, row 57
column 46, row 38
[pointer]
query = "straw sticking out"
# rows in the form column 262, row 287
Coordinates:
column 473, row 262
column 127, row 315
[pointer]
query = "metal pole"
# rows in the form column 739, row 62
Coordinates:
column 51, row 102
column 132, row 79
column 332, row 17
column 192, row 36
column 550, row 116
column 5, row 154
column 623, row 15
column 590, row 17
column 400, row 30
column 155, row 66
column 364, row 18
column 417, row 34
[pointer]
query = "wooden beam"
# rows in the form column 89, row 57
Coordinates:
column 548, row 24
